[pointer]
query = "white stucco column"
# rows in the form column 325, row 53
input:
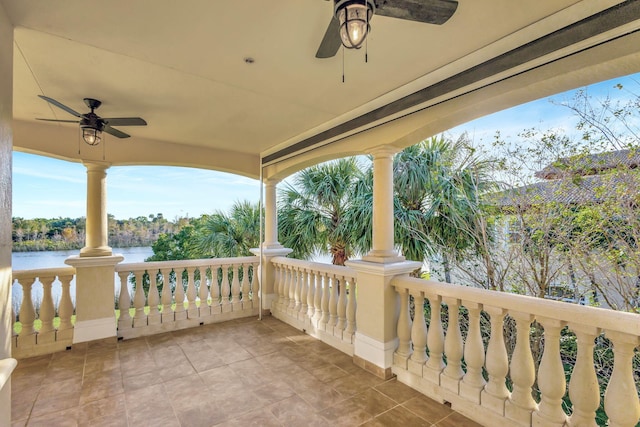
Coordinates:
column 270, row 216
column 270, row 248
column 6, row 146
column 383, row 249
column 97, row 227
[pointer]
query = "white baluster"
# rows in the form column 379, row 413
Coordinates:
column 435, row 342
column 27, row 313
column 453, row 348
column 192, row 308
column 418, row 336
column 551, row 377
column 27, row 316
column 180, row 313
column 342, row 307
column 333, row 303
column 246, row 299
column 304, row 293
column 297, row 295
column 124, row 301
column 311, row 310
column 621, row 397
column 324, row 320
column 225, row 289
column 279, row 287
column 235, row 288
column 214, row 288
column 317, row 299
column 473, row 382
column 203, row 293
column 254, row 293
column 154, row 299
column 351, row 309
column 46, row 333
column 403, row 352
column 523, row 372
column 285, row 288
column 65, row 309
column 497, row 363
column 584, row 389
column 294, row 294
column 139, row 318
column 166, row 298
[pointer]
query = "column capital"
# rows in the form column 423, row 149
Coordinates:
column 271, row 182
column 383, row 151
column 95, row 165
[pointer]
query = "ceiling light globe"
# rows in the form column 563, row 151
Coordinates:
column 91, row 136
column 354, row 17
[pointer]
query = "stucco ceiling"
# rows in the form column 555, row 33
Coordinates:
column 181, row 66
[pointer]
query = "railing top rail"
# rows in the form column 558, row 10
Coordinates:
column 338, row 270
column 42, row 272
column 609, row 320
column 207, row 262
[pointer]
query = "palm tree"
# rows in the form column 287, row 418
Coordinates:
column 437, row 184
column 311, row 210
column 225, row 235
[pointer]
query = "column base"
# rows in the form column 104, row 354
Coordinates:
column 96, row 329
column 374, row 356
column 383, row 257
column 95, row 252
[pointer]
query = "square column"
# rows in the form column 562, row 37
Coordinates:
column 377, row 314
column 6, row 146
column 95, row 297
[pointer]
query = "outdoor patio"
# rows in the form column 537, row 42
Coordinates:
column 237, row 373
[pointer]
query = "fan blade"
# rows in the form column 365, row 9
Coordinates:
column 428, row 11
column 62, row 121
column 331, row 41
column 125, row 121
column 60, row 105
column 115, row 132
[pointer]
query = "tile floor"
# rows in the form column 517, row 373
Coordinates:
column 239, row 373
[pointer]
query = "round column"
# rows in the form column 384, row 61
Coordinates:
column 270, row 216
column 383, row 248
column 97, row 227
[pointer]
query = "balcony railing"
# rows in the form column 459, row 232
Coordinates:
column 317, row 298
column 181, row 294
column 497, row 384
column 45, row 324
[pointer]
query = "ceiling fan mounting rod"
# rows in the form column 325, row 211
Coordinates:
column 92, row 103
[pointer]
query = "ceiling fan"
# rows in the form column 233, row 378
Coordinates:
column 350, row 23
column 93, row 125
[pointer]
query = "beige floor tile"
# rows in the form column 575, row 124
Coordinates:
column 258, row 418
column 427, row 409
column 457, row 420
column 108, row 406
column 65, row 418
column 397, row 417
column 59, row 402
column 397, row 391
column 372, row 401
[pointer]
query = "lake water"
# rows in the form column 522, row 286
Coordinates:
column 55, row 259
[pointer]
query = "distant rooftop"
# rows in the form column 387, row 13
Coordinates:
column 592, row 164
column 578, row 180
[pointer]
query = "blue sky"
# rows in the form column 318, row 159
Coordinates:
column 50, row 188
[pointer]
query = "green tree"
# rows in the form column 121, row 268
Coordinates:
column 311, row 211
column 225, row 235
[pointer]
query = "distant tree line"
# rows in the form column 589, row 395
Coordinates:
column 41, row 234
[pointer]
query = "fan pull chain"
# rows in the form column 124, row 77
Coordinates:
column 104, row 145
column 342, row 64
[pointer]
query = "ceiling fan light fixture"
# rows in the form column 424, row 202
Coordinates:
column 354, row 17
column 91, row 136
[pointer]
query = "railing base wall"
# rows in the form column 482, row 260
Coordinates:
column 338, row 341
column 473, row 411
column 146, row 330
column 22, row 349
